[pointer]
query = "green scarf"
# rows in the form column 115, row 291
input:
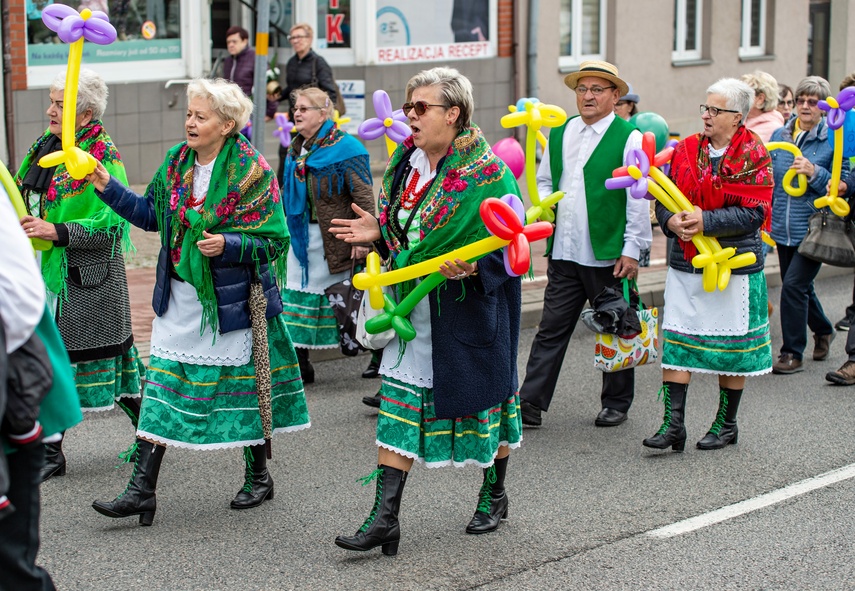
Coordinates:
column 69, row 201
column 243, row 197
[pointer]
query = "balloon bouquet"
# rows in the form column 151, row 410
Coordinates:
column 505, row 219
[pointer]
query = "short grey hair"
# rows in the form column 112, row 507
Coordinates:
column 737, row 94
column 91, row 92
column 765, row 83
column 454, row 88
column 813, row 86
column 225, row 98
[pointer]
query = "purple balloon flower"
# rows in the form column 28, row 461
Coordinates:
column 71, row 25
column 637, row 188
column 388, row 122
column 283, row 129
column 837, row 115
column 517, row 205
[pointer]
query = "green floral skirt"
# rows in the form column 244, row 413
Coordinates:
column 103, row 381
column 749, row 353
column 310, row 320
column 214, row 407
column 406, row 425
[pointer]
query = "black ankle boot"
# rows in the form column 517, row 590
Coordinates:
column 258, row 484
column 139, row 496
column 724, row 430
column 372, row 401
column 381, row 528
column 493, row 502
column 131, row 406
column 54, row 461
column 307, row 372
column 672, row 433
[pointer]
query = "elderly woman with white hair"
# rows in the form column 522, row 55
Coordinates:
column 215, row 202
column 763, row 116
column 450, row 396
column 84, row 271
column 726, row 173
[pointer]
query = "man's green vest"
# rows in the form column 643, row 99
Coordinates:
column 606, row 209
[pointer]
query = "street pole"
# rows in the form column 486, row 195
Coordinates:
column 259, row 93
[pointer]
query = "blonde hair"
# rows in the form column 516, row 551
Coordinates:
column 306, row 27
column 762, row 82
column 225, row 98
column 317, row 97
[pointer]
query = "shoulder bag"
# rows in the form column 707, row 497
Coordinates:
column 829, row 240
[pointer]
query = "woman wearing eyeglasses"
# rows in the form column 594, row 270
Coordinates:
column 786, row 102
column 800, row 306
column 449, row 396
column 326, row 172
column 726, row 172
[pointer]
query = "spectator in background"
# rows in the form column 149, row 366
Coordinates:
column 239, row 66
column 763, row 118
column 305, row 68
column 786, row 101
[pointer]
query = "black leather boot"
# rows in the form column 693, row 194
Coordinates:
column 307, row 372
column 373, row 369
column 54, row 460
column 381, row 528
column 492, row 500
column 672, row 433
column 131, row 406
column 258, row 484
column 724, row 430
column 372, row 401
column 139, row 496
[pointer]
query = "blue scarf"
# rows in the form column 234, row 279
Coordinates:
column 332, row 155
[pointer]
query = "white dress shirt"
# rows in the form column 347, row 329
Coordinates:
column 572, row 238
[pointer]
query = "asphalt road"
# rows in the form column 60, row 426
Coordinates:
column 582, row 499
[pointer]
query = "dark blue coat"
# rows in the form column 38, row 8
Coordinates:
column 231, row 271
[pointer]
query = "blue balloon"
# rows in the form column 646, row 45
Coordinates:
column 848, row 135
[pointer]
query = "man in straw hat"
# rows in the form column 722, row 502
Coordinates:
column 598, row 235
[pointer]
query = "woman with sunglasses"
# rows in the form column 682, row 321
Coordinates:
column 326, row 172
column 726, row 172
column 800, row 306
column 449, row 396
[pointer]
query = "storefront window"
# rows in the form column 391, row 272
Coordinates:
column 333, row 24
column 147, row 30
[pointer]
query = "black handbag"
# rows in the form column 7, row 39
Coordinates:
column 345, row 300
column 830, row 239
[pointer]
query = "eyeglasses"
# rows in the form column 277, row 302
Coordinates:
column 809, row 101
column 595, row 90
column 790, row 103
column 304, row 109
column 420, row 107
column 714, row 111
column 295, row 37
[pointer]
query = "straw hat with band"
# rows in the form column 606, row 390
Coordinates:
column 603, row 70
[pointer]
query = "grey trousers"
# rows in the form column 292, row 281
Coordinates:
column 570, row 285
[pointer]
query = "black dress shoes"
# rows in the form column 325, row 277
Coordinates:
column 373, row 369
column 531, row 414
column 372, row 401
column 609, row 417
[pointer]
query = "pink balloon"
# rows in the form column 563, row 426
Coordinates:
column 511, row 153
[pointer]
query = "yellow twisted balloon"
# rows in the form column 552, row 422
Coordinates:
column 789, row 189
column 338, row 119
column 535, row 116
column 77, row 162
column 18, row 203
column 837, row 205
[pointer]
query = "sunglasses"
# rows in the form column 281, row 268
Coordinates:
column 420, row 107
column 810, row 101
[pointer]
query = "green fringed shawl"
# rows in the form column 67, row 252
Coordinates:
column 69, row 201
column 243, row 197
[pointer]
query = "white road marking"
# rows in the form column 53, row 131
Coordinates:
column 749, row 505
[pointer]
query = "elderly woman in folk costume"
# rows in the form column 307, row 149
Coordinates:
column 84, row 271
column 726, row 173
column 215, row 203
column 449, row 396
column 326, row 171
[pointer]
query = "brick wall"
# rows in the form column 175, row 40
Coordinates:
column 18, row 39
column 506, row 28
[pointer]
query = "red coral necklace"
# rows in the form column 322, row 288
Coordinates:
column 411, row 197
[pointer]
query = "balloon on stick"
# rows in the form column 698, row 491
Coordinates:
column 836, row 107
column 388, row 124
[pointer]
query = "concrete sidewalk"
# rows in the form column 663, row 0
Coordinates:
column 651, row 284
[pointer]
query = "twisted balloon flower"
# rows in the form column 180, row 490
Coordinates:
column 533, row 114
column 836, row 109
column 338, row 119
column 636, row 170
column 73, row 27
column 502, row 219
column 388, row 123
column 283, row 129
